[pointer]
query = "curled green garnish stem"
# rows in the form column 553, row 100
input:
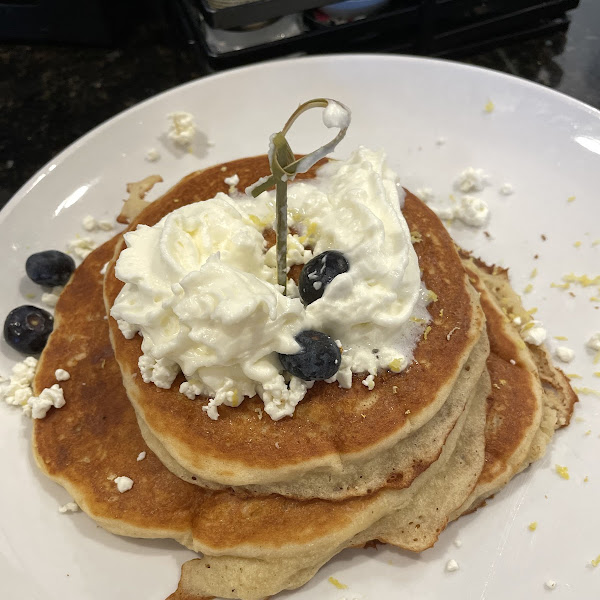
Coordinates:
column 285, row 167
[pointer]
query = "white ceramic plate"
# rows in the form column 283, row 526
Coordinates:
column 543, row 143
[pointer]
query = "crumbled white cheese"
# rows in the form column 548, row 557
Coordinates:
column 471, row 180
column 40, row 405
column 182, row 128
column 280, row 400
column 161, row 372
column 452, row 565
column 512, row 361
column 141, row 456
column 292, row 289
column 425, row 194
column 594, row 342
column 458, row 543
column 317, row 285
column 369, row 382
column 18, row 389
column 533, row 333
column 82, row 247
column 89, row 223
column 550, row 584
column 507, row 189
column 472, row 211
column 518, row 321
column 441, row 141
column 191, row 389
column 127, row 329
column 152, row 155
column 564, row 354
column 62, row 375
column 69, row 507
column 105, row 225
column 233, row 180
column 124, row 484
column 51, row 298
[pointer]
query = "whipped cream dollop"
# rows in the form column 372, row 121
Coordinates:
column 200, row 287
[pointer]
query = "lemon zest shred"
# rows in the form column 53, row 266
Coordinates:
column 396, row 365
column 532, row 526
column 586, row 390
column 337, row 584
column 432, row 296
column 583, row 280
column 563, row 471
column 255, row 220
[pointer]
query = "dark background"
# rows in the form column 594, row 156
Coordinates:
column 52, row 93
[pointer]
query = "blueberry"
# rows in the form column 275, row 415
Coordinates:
column 319, row 357
column 318, row 273
column 27, row 328
column 51, row 268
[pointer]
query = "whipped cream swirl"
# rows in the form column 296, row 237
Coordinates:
column 200, row 287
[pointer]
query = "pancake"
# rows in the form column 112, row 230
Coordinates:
column 559, row 396
column 277, row 542
column 339, row 443
column 95, row 437
column 531, row 397
column 515, row 409
column 416, row 525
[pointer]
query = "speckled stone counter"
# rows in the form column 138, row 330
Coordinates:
column 50, row 95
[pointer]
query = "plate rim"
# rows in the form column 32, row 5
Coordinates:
column 26, row 187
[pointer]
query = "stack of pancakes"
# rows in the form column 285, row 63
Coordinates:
column 265, row 502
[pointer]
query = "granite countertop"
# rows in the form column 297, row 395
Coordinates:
column 53, row 94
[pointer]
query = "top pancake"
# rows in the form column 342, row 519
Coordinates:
column 331, row 426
